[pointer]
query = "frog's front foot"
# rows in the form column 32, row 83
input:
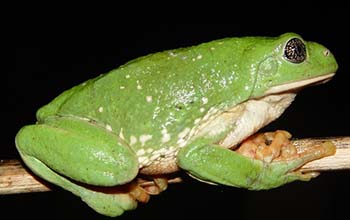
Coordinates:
column 272, row 147
column 263, row 161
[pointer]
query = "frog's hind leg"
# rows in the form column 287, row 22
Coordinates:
column 107, row 202
column 72, row 153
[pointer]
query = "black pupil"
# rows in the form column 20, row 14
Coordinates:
column 295, row 51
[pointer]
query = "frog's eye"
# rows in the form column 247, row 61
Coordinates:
column 295, row 51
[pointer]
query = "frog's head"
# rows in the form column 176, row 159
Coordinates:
column 289, row 63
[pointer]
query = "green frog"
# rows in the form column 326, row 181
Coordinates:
column 182, row 109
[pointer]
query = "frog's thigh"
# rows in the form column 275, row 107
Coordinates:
column 79, row 150
column 220, row 165
column 110, row 204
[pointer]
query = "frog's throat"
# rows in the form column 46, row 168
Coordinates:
column 299, row 84
column 252, row 115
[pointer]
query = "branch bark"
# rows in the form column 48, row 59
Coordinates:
column 14, row 178
column 339, row 161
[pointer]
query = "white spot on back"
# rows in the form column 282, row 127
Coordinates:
column 144, row 138
column 140, row 152
column 199, row 57
column 197, row 121
column 109, row 128
column 100, row 109
column 121, row 135
column 156, row 112
column 149, row 98
column 122, row 87
column 172, row 54
column 202, row 109
column 127, row 76
column 138, row 85
column 166, row 137
column 205, row 100
column 133, row 140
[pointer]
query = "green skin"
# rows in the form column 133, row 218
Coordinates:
column 143, row 115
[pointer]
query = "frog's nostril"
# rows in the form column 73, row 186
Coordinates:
column 326, row 53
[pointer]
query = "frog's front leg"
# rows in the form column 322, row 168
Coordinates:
column 72, row 153
column 212, row 163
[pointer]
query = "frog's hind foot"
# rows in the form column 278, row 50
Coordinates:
column 141, row 189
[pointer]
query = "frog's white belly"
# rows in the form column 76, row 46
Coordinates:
column 245, row 119
column 257, row 113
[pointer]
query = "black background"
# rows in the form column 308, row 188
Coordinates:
column 41, row 61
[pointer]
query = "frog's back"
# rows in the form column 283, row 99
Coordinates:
column 149, row 98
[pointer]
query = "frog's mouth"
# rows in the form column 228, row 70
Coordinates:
column 296, row 85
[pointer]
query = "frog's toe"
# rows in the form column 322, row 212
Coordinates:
column 268, row 146
column 298, row 175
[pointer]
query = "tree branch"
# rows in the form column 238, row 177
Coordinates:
column 14, row 178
